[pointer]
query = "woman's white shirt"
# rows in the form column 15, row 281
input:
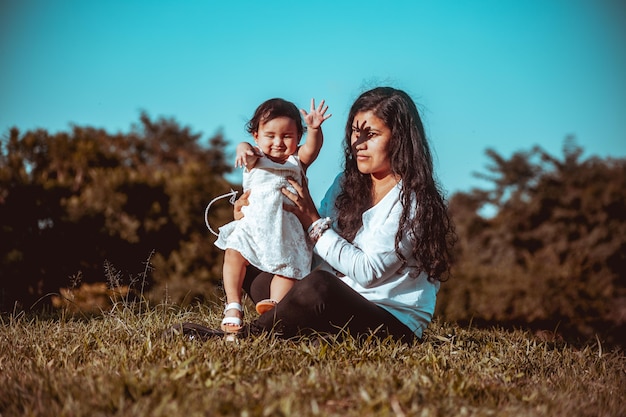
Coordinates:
column 371, row 266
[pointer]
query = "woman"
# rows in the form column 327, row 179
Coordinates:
column 382, row 236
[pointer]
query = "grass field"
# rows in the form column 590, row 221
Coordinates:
column 117, row 364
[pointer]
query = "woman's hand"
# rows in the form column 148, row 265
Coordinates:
column 303, row 207
column 239, row 203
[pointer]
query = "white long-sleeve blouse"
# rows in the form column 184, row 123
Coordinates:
column 371, row 266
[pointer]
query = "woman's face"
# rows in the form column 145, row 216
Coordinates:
column 370, row 144
column 277, row 138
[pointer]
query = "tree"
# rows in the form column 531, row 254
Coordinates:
column 553, row 255
column 72, row 201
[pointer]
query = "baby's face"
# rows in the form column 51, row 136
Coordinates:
column 278, row 138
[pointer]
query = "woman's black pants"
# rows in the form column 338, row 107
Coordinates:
column 321, row 303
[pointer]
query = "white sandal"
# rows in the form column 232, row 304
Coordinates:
column 232, row 324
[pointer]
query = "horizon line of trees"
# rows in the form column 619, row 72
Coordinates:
column 554, row 255
column 73, row 202
column 108, row 207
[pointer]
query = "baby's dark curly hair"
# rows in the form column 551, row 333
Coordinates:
column 273, row 108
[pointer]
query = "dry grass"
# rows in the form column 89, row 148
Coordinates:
column 118, row 364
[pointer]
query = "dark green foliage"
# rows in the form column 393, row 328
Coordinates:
column 553, row 256
column 70, row 202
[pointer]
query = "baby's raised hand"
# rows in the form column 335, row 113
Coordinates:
column 316, row 116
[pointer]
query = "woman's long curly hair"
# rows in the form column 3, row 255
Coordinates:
column 428, row 224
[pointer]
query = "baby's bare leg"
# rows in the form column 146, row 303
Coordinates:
column 280, row 286
column 233, row 272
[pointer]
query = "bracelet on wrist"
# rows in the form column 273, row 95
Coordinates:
column 315, row 223
column 318, row 227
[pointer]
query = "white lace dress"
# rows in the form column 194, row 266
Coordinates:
column 269, row 237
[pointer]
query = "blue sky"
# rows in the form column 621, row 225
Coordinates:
column 495, row 74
